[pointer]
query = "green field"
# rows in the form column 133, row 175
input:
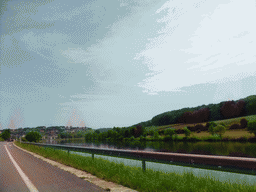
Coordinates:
column 205, row 134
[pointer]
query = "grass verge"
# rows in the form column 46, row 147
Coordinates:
column 134, row 177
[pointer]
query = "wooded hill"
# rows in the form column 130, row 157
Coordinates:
column 205, row 113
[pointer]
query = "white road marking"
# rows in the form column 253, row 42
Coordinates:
column 29, row 184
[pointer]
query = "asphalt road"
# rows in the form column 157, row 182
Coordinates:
column 20, row 171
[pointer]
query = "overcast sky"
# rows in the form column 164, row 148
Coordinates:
column 106, row 63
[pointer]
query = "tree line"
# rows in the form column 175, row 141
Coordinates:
column 205, row 113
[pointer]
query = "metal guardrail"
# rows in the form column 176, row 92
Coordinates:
column 166, row 158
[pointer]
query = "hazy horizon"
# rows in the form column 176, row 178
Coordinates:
column 102, row 64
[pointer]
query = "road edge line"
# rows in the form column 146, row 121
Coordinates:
column 89, row 177
column 24, row 177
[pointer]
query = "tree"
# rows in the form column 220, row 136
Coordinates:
column 231, row 109
column 187, row 131
column 127, row 134
column 165, row 120
column 243, row 123
column 115, row 135
column 220, row 129
column 186, row 117
column 212, row 127
column 203, row 115
column 169, row 132
column 6, row 134
column 88, row 136
column 250, row 105
column 151, row 132
column 252, row 127
column 117, row 129
column 33, row 136
column 196, row 116
column 137, row 131
column 110, row 133
column 133, row 131
column 94, row 136
column 156, row 135
column 241, row 106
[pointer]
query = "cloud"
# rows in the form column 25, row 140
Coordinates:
column 20, row 21
column 14, row 54
column 76, row 55
column 199, row 44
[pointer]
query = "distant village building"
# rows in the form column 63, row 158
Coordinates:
column 52, row 137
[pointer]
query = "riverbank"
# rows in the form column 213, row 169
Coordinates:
column 134, row 177
column 58, row 140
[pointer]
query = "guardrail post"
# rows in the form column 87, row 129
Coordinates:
column 144, row 165
column 68, row 151
column 92, row 156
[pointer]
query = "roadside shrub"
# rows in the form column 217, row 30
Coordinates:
column 235, row 126
column 252, row 127
column 243, row 123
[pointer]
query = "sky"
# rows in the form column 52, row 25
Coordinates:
column 102, row 64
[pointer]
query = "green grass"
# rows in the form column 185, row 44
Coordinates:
column 135, row 178
column 205, row 135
